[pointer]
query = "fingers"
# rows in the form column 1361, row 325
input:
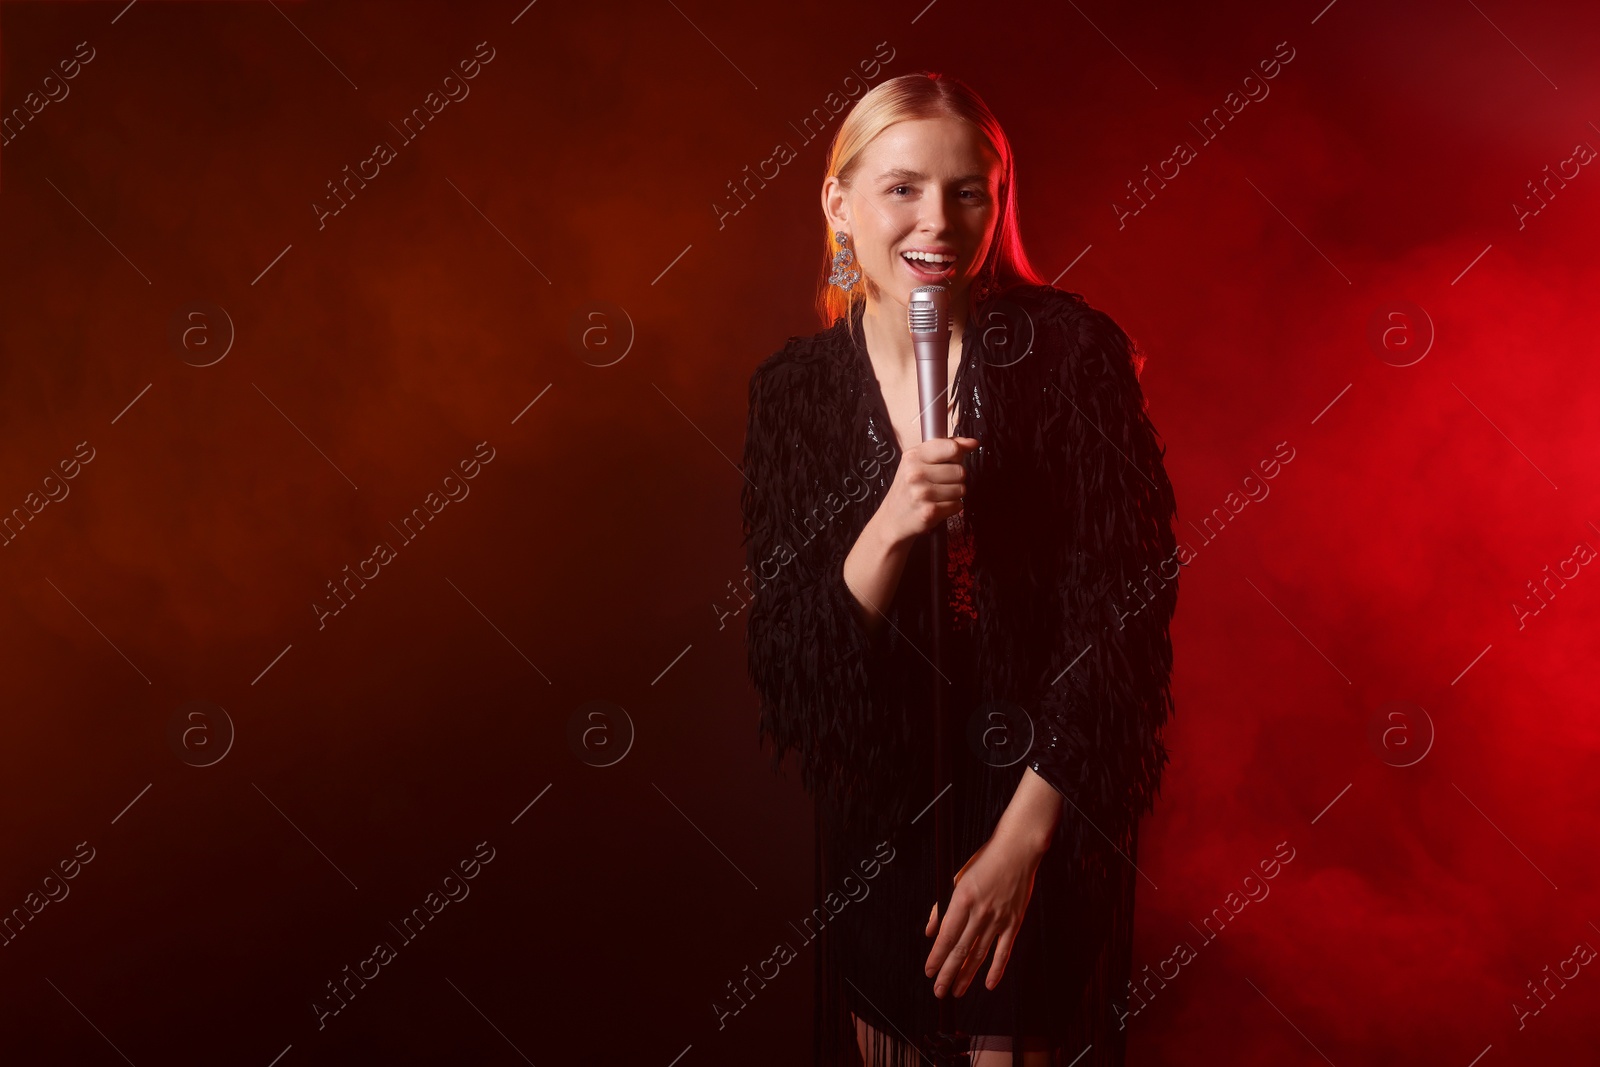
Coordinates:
column 963, row 964
column 945, row 450
column 969, row 973
column 942, row 960
column 933, row 921
column 1002, row 956
column 959, row 950
column 959, row 953
column 973, row 963
column 952, row 449
column 935, row 473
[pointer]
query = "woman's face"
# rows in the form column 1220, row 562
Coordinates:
column 926, row 186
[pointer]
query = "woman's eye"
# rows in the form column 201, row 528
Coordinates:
column 971, row 194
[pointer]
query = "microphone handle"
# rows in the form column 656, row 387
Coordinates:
column 933, row 369
column 933, row 383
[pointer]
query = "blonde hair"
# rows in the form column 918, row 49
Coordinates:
column 925, row 95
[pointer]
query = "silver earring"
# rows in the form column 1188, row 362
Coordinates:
column 844, row 276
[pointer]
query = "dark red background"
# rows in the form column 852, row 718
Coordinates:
column 589, row 558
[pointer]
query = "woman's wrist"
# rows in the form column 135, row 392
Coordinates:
column 1031, row 818
column 887, row 541
column 872, row 570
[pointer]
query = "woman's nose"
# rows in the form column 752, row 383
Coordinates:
column 935, row 216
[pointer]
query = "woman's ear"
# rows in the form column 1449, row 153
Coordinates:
column 833, row 208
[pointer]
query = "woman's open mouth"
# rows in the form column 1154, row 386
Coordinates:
column 929, row 268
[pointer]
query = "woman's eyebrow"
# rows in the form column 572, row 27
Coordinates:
column 903, row 174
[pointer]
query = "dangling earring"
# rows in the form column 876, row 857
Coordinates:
column 844, row 276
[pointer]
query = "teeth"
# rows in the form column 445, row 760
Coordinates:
column 929, row 257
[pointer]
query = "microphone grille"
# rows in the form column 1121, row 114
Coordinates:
column 928, row 309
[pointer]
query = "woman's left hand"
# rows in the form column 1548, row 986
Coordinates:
column 986, row 907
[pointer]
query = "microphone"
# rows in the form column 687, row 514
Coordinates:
column 929, row 312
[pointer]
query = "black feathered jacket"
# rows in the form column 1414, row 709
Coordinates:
column 1075, row 567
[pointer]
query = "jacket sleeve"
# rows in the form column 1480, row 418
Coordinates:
column 823, row 682
column 1106, row 692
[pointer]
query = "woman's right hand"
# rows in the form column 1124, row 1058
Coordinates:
column 927, row 488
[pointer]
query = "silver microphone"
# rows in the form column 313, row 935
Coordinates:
column 929, row 312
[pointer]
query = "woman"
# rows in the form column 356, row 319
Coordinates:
column 1063, row 581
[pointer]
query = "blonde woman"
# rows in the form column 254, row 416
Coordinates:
column 1062, row 583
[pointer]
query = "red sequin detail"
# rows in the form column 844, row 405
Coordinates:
column 958, row 567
